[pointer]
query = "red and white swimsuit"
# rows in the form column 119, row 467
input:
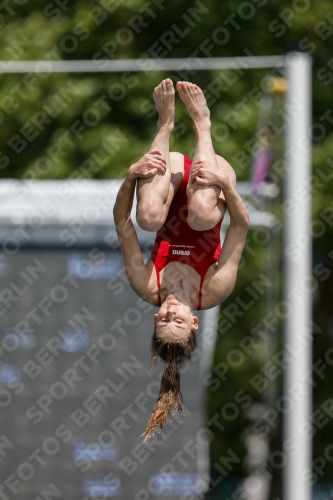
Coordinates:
column 177, row 241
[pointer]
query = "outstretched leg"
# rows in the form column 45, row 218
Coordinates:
column 155, row 193
column 206, row 204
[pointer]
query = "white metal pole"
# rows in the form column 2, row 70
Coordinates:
column 297, row 280
column 146, row 65
column 208, row 334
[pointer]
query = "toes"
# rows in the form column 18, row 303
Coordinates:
column 169, row 84
column 189, row 87
column 165, row 86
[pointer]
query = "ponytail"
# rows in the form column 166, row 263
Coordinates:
column 170, row 399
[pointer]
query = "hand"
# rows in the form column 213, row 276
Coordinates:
column 206, row 173
column 150, row 164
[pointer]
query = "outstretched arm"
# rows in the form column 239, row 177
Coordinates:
column 224, row 279
column 135, row 268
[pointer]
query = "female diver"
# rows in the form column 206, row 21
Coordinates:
column 184, row 201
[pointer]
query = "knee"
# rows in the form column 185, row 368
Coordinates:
column 149, row 217
column 200, row 217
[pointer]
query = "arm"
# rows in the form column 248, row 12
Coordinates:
column 147, row 166
column 137, row 273
column 224, row 279
column 236, row 234
column 124, row 202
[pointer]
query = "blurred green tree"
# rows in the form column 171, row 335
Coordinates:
column 95, row 125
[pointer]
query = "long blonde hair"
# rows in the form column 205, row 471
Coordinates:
column 174, row 353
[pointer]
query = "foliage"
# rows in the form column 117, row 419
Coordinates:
column 53, row 123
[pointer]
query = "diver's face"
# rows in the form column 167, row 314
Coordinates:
column 175, row 319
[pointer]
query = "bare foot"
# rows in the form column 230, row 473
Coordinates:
column 196, row 104
column 164, row 97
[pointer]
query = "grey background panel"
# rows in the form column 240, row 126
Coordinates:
column 79, row 417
